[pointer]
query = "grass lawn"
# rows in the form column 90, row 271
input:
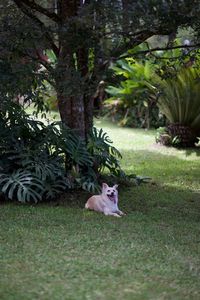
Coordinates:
column 66, row 252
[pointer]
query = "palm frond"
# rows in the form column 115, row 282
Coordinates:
column 180, row 100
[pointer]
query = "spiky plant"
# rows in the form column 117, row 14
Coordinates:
column 180, row 103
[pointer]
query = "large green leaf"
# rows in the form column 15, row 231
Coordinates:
column 21, row 185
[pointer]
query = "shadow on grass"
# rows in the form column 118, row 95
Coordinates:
column 191, row 151
column 174, row 192
column 162, row 204
column 166, row 168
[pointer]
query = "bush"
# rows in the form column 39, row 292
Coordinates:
column 133, row 101
column 39, row 161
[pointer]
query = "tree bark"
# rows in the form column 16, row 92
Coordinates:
column 71, row 104
column 82, row 64
column 71, row 107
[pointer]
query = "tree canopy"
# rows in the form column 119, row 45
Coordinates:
column 83, row 37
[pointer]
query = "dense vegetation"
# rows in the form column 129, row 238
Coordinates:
column 38, row 161
column 153, row 93
column 58, row 52
column 84, row 37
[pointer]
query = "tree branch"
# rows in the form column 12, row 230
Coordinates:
column 28, row 13
column 162, row 49
column 31, row 4
column 135, row 40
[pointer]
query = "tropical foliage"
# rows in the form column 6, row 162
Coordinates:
column 83, row 37
column 133, row 101
column 180, row 100
column 38, row 161
column 180, row 103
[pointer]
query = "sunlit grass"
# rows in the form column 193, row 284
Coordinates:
column 140, row 139
column 142, row 156
column 66, row 252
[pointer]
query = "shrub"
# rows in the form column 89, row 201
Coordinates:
column 38, row 161
column 180, row 103
column 133, row 101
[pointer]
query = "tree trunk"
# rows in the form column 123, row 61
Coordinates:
column 71, row 99
column 82, row 64
column 76, row 105
column 71, row 111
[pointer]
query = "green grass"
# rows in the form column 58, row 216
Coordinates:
column 66, row 252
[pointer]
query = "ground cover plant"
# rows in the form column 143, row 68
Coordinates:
column 65, row 252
